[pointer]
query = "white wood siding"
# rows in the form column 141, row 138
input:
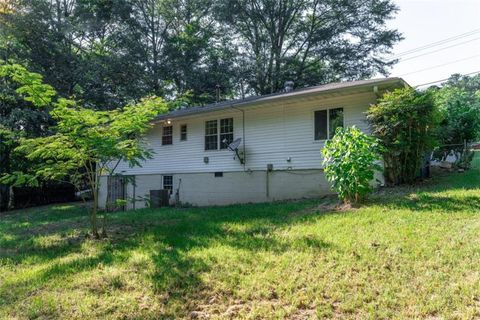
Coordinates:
column 273, row 133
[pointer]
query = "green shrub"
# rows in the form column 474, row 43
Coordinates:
column 458, row 101
column 350, row 163
column 404, row 121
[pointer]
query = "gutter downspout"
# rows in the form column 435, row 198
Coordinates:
column 243, row 136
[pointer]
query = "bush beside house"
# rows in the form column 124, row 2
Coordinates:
column 405, row 122
column 350, row 160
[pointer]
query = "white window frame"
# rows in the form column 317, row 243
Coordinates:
column 186, row 131
column 163, row 128
column 328, row 122
column 219, row 142
column 163, row 182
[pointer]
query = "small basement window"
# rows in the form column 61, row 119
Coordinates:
column 218, row 174
column 167, row 135
column 183, row 132
column 168, row 183
column 326, row 122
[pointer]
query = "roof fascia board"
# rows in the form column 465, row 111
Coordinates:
column 383, row 85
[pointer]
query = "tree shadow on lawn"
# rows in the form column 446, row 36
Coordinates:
column 434, row 202
column 174, row 234
column 430, row 194
column 177, row 273
column 43, row 234
column 451, row 197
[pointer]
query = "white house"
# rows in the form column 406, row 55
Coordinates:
column 278, row 156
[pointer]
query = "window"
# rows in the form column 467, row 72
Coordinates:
column 335, row 120
column 167, row 135
column 321, row 125
column 326, row 122
column 168, row 183
column 218, row 174
column 183, row 132
column 226, row 132
column 216, row 138
column 211, row 135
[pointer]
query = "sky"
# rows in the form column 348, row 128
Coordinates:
column 423, row 22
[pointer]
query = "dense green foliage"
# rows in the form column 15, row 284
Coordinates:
column 23, row 101
column 84, row 143
column 458, row 101
column 405, row 122
column 108, row 53
column 411, row 253
column 350, row 162
column 310, row 41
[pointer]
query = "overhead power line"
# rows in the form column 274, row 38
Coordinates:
column 438, row 50
column 443, row 80
column 440, row 65
column 437, row 43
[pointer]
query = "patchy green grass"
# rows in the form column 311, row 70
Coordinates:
column 410, row 253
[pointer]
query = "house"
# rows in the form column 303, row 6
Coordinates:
column 279, row 138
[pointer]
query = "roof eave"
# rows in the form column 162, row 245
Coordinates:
column 390, row 82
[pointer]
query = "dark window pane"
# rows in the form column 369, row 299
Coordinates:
column 183, row 132
column 211, row 135
column 225, row 140
column 226, row 132
column 211, row 142
column 166, row 140
column 321, row 125
column 226, row 125
column 167, row 135
column 211, row 127
column 168, row 183
column 335, row 120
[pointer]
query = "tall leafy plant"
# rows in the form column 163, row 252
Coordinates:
column 350, row 161
column 404, row 120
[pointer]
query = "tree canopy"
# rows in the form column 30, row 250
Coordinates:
column 110, row 53
column 459, row 103
column 84, row 143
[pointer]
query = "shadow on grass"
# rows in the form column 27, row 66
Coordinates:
column 174, row 233
column 435, row 202
column 248, row 229
column 173, row 238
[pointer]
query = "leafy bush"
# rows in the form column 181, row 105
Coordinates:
column 350, row 163
column 460, row 111
column 404, row 120
column 461, row 119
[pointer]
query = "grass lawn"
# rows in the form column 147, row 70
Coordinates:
column 409, row 253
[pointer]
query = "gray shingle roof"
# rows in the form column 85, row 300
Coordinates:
column 281, row 95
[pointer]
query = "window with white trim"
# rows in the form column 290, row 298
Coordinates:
column 211, row 135
column 183, row 132
column 218, row 133
column 226, row 132
column 168, row 183
column 326, row 122
column 167, row 135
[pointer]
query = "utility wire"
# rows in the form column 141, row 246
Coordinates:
column 438, row 50
column 437, row 43
column 442, row 80
column 440, row 65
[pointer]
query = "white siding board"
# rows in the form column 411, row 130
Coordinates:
column 273, row 132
